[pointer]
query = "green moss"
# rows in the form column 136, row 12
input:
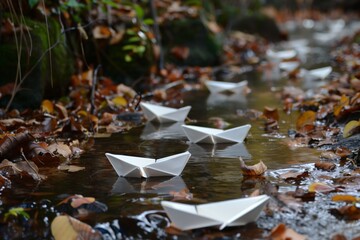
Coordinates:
column 35, row 64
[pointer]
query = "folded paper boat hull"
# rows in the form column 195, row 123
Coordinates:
column 130, row 166
column 211, row 135
column 235, row 212
column 164, row 114
column 218, row 87
column 320, row 73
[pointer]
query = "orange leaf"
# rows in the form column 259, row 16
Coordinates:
column 344, row 198
column 305, row 119
column 254, row 170
column 119, row 101
column 344, row 101
column 320, row 187
column 47, row 106
column 281, row 232
column 77, row 202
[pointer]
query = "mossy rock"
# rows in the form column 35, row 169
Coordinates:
column 39, row 82
column 258, row 24
column 205, row 47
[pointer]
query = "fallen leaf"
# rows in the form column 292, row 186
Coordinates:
column 70, row 168
column 65, row 227
column 254, row 170
column 47, row 106
column 327, row 166
column 351, row 128
column 348, row 213
column 306, row 121
column 294, row 175
column 282, row 232
column 180, row 52
column 344, row 198
column 119, row 101
column 343, row 103
column 320, row 187
column 329, row 155
column 271, row 113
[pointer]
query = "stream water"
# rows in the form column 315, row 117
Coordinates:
column 212, row 173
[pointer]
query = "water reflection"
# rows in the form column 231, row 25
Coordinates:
column 156, row 131
column 219, row 150
column 216, row 99
column 159, row 185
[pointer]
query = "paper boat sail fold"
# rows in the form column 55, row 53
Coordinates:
column 281, row 55
column 164, row 114
column 130, row 166
column 235, row 212
column 218, row 87
column 212, row 135
column 320, row 73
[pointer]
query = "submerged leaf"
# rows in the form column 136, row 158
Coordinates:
column 254, row 170
column 65, row 227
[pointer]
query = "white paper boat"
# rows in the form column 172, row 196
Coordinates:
column 318, row 73
column 235, row 212
column 289, row 66
column 150, row 185
column 164, row 114
column 219, row 87
column 131, row 166
column 280, row 55
column 213, row 135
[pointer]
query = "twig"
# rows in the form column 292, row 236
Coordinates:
column 23, row 155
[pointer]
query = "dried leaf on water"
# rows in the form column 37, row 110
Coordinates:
column 294, row 175
column 65, row 227
column 71, row 168
column 327, row 166
column 321, row 188
column 348, row 212
column 351, row 128
column 271, row 113
column 282, row 232
column 60, row 149
column 254, row 170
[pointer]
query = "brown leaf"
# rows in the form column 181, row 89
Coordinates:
column 180, row 52
column 327, row 166
column 65, row 227
column 294, row 175
column 11, row 145
column 306, row 121
column 281, row 232
column 71, row 168
column 351, row 128
column 254, row 170
column 330, row 156
column 60, row 149
column 349, row 212
column 343, row 103
column 271, row 113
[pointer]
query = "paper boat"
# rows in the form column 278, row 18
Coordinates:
column 289, row 66
column 219, row 87
column 281, row 55
column 164, row 114
column 131, row 166
column 319, row 73
column 150, row 185
column 235, row 212
column 213, row 135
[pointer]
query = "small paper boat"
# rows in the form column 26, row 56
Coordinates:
column 235, row 212
column 281, row 55
column 219, row 87
column 131, row 166
column 318, row 73
column 164, row 114
column 213, row 135
column 289, row 66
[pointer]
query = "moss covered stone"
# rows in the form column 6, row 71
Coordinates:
column 38, row 80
